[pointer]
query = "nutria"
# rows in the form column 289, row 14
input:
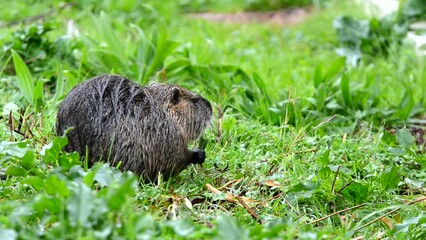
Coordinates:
column 144, row 129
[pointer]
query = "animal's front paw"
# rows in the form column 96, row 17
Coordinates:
column 198, row 156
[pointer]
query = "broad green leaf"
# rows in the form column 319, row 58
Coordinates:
column 356, row 192
column 89, row 178
column 397, row 151
column 56, row 186
column 80, row 205
column 351, row 31
column 325, row 173
column 325, row 158
column 16, row 171
column 15, row 149
column 52, row 151
column 404, row 137
column 301, row 190
column 25, row 80
column 404, row 226
column 47, row 204
column 181, row 227
column 118, row 196
column 228, row 228
column 28, row 160
column 104, row 174
column 390, row 178
column 36, row 182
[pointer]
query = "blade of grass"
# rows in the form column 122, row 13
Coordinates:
column 25, row 80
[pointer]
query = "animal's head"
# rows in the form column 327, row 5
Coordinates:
column 188, row 109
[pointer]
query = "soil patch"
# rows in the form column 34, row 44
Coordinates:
column 282, row 17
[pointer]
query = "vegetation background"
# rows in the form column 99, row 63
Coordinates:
column 318, row 131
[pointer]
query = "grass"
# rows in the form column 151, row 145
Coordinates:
column 301, row 146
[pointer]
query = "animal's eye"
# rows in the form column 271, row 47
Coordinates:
column 194, row 101
column 175, row 96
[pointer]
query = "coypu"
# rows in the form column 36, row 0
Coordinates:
column 145, row 129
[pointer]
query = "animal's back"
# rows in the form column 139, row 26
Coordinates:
column 98, row 110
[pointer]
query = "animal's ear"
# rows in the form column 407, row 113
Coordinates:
column 175, row 96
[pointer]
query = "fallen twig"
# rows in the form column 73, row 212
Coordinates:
column 388, row 213
column 249, row 210
column 335, row 213
column 228, row 196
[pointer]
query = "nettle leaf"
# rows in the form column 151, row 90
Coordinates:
column 228, row 228
column 404, row 137
column 80, row 205
column 390, row 178
column 357, row 192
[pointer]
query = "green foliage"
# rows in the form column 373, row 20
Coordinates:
column 37, row 49
column 315, row 147
column 248, row 5
column 32, row 90
column 140, row 58
column 277, row 4
column 377, row 37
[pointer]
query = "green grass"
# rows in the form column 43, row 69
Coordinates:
column 297, row 135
